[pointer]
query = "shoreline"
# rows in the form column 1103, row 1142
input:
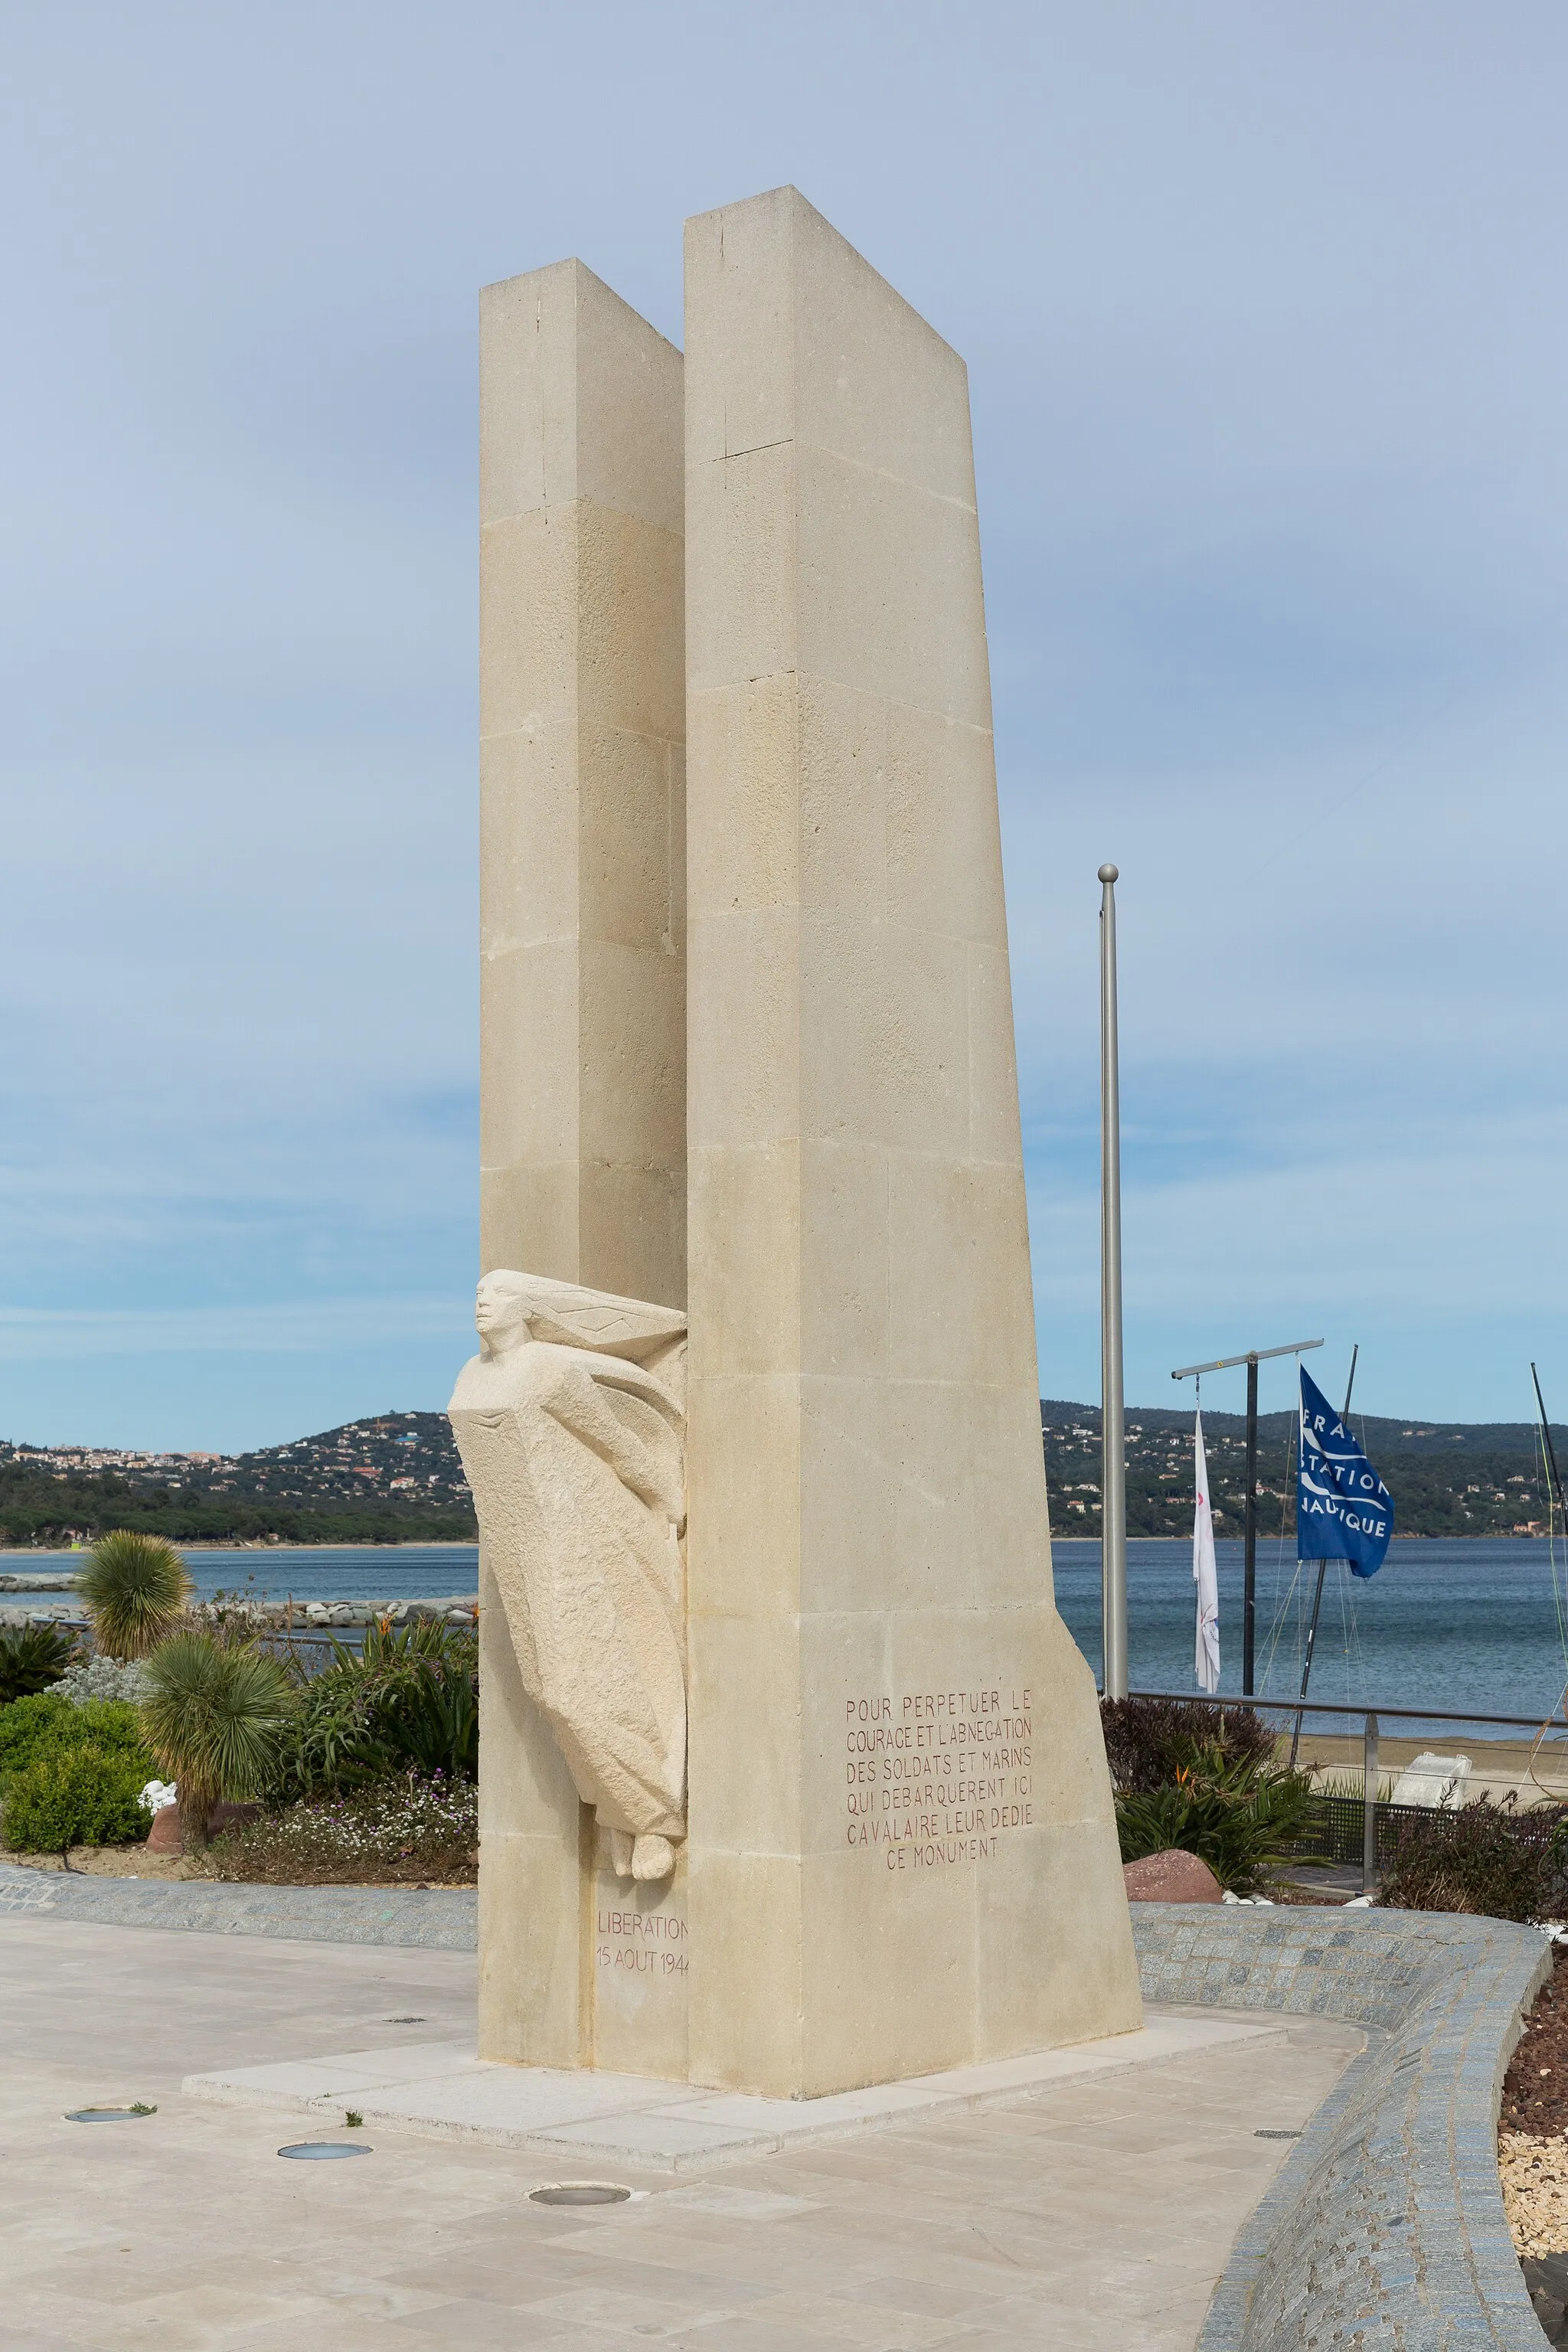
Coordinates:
column 1400, row 1535
column 79, row 1551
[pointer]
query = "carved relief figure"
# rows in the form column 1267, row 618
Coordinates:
column 571, row 1424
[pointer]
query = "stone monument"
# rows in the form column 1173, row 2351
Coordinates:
column 887, row 1847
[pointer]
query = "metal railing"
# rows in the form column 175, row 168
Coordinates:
column 1369, row 1716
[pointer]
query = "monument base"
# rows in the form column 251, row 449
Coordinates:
column 582, row 2121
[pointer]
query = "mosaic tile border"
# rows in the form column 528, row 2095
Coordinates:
column 1385, row 2230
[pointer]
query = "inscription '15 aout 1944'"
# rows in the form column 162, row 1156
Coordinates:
column 937, row 1777
column 645, row 1944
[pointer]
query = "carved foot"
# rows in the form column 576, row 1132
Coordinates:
column 653, row 1857
column 621, row 1845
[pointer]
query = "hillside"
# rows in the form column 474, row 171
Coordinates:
column 393, row 1479
column 397, row 1479
column 1447, row 1478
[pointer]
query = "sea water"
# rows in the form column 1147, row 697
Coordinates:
column 1448, row 1623
column 1466, row 1623
column 308, row 1571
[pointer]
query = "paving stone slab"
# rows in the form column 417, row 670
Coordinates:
column 450, row 2093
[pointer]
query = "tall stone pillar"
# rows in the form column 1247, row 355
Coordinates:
column 582, row 982
column 903, row 1854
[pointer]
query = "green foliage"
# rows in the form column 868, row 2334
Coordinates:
column 31, row 1658
column 216, row 1715
column 134, row 1586
column 407, row 1702
column 1481, row 1857
column 1349, row 1787
column 29, row 1729
column 1148, row 1741
column 47, row 1725
column 80, row 1795
column 1239, row 1815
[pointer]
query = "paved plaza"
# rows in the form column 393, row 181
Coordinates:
column 1096, row 2212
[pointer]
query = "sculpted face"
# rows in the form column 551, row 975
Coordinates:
column 501, row 1314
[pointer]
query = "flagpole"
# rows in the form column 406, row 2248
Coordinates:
column 1318, row 1596
column 1249, row 1539
column 1113, row 1461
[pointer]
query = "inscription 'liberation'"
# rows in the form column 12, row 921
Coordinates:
column 937, row 1777
column 629, row 1938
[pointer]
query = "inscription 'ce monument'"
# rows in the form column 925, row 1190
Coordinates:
column 792, row 1778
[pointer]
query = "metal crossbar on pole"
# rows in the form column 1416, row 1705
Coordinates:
column 1253, row 1358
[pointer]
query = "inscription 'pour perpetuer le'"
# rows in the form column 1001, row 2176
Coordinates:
column 937, row 1777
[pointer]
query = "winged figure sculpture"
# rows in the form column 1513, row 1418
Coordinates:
column 571, row 1422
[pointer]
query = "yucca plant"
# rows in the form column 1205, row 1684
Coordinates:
column 134, row 1586
column 408, row 1700
column 32, row 1657
column 215, row 1714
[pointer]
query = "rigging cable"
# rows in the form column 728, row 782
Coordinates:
column 1548, row 1459
column 1282, row 1606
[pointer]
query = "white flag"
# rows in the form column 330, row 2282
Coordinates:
column 1206, row 1663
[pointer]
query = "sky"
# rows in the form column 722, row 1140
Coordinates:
column 1262, row 310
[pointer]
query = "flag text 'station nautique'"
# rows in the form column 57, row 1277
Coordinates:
column 1343, row 1510
column 1207, row 1659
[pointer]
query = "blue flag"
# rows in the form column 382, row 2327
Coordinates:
column 1343, row 1510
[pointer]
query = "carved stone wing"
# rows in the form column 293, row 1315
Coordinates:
column 573, row 1317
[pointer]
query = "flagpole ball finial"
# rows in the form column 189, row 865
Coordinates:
column 1107, row 873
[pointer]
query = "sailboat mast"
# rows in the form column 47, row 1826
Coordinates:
column 1546, row 1436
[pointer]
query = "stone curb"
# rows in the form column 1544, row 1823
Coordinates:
column 1385, row 2228
column 438, row 1918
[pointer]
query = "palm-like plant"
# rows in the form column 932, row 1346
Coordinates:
column 215, row 1715
column 134, row 1586
column 32, row 1657
column 408, row 1701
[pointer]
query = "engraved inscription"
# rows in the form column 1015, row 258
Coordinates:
column 937, row 1777
column 641, row 1943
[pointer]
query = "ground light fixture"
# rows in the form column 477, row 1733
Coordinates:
column 110, row 2115
column 579, row 2192
column 322, row 2151
column 1276, row 2135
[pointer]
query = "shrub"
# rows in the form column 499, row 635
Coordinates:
column 414, row 1827
column 1149, row 1741
column 215, row 1716
column 101, row 1677
column 30, row 1727
column 47, row 1725
column 1481, row 1857
column 407, row 1702
column 134, row 1586
column 32, row 1657
column 1240, row 1816
column 76, row 1796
